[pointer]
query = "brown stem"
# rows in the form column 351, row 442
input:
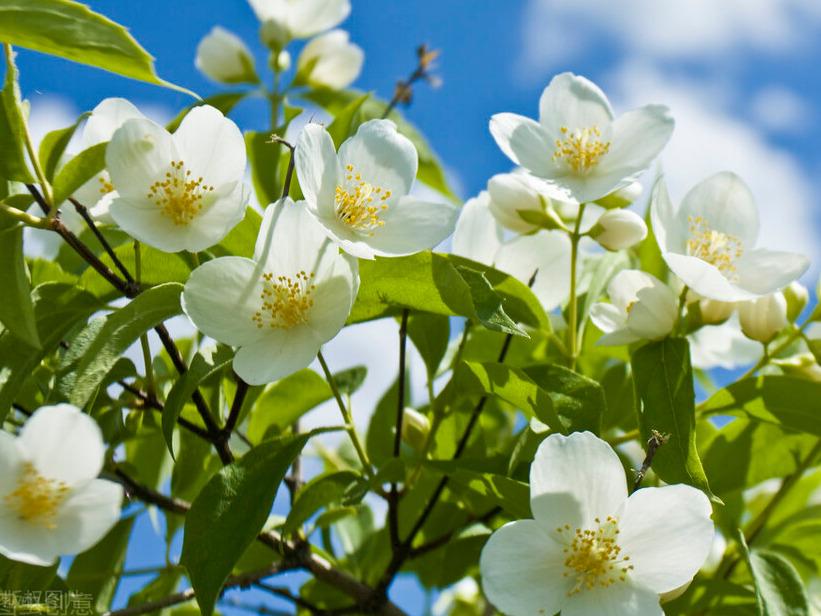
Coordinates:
column 84, row 213
column 656, row 440
column 393, row 497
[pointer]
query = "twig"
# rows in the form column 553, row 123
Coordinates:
column 289, row 172
column 393, row 499
column 86, row 216
column 403, row 93
column 656, row 440
column 236, row 408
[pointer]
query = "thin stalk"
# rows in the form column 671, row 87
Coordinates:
column 573, row 316
column 346, row 417
column 150, row 383
column 24, row 217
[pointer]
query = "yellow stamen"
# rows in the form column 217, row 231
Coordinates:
column 593, row 559
column 581, row 149
column 359, row 203
column 178, row 194
column 286, row 301
column 105, row 184
column 36, row 498
column 717, row 248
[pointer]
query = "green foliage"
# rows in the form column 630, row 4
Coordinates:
column 71, row 30
column 229, row 513
column 16, row 309
column 54, row 145
column 12, row 127
column 778, row 587
column 664, row 381
column 285, row 401
column 79, row 170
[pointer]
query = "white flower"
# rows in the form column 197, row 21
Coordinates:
column 361, row 195
column 330, row 60
column 591, row 549
column 281, row 306
column 224, row 57
column 797, row 297
column 619, row 229
column 763, row 318
column 182, row 191
column 577, row 145
column 642, row 308
column 283, row 20
column 51, row 502
column 517, row 202
column 712, row 311
column 98, row 193
column 709, row 241
column 479, row 237
column 722, row 346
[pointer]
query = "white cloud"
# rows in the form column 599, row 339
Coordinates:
column 555, row 30
column 781, row 110
column 709, row 138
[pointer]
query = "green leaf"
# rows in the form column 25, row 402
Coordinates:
column 782, row 400
column 207, row 362
column 98, row 347
column 430, row 334
column 430, row 282
column 379, row 438
column 318, row 492
column 96, row 572
column 263, row 156
column 664, row 381
column 54, row 145
column 431, row 171
column 285, row 401
column 511, row 495
column 513, row 386
column 488, row 303
column 58, row 307
column 350, row 380
column 778, row 587
column 17, row 576
column 578, row 401
column 72, row 31
column 16, row 309
column 13, row 164
column 224, row 101
column 229, row 513
column 79, row 170
column 346, row 120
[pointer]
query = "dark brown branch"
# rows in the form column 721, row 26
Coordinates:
column 403, row 92
column 86, row 216
column 656, row 440
column 152, row 403
column 393, row 497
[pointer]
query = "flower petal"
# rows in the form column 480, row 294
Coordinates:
column 384, row 157
column 309, row 17
column 762, row 271
column 277, row 354
column 573, row 102
column 336, row 61
column 547, row 254
column 63, row 443
column 525, row 142
column 574, row 479
column 638, row 137
column 412, row 225
column 726, row 204
column 478, row 235
column 705, row 279
column 333, row 298
column 87, row 515
column 138, row 155
column 511, row 193
column 211, row 146
column 317, row 168
column 106, row 118
column 26, row 542
column 670, row 237
column 667, row 532
column 522, row 568
column 607, row 317
column 221, row 298
column 624, row 287
column 620, row 337
column 10, row 461
column 620, row 599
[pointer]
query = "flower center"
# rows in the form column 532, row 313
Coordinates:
column 286, row 301
column 359, row 203
column 36, row 499
column 105, row 184
column 714, row 247
column 581, row 149
column 592, row 557
column 178, row 194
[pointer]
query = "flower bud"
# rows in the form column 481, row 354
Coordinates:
column 330, row 60
column 763, row 318
column 619, row 229
column 279, row 61
column 275, row 34
column 623, row 197
column 415, row 428
column 803, row 366
column 797, row 297
column 517, row 203
column 714, row 312
column 224, row 58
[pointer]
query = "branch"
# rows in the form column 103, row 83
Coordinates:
column 403, row 93
column 393, row 499
column 83, row 212
column 656, row 440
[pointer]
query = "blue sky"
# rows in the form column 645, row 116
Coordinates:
column 741, row 78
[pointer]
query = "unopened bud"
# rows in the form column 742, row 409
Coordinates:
column 223, row 57
column 619, row 229
column 274, row 34
column 763, row 318
column 623, row 197
column 415, row 428
column 279, row 61
column 330, row 60
column 714, row 311
column 803, row 366
column 797, row 298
